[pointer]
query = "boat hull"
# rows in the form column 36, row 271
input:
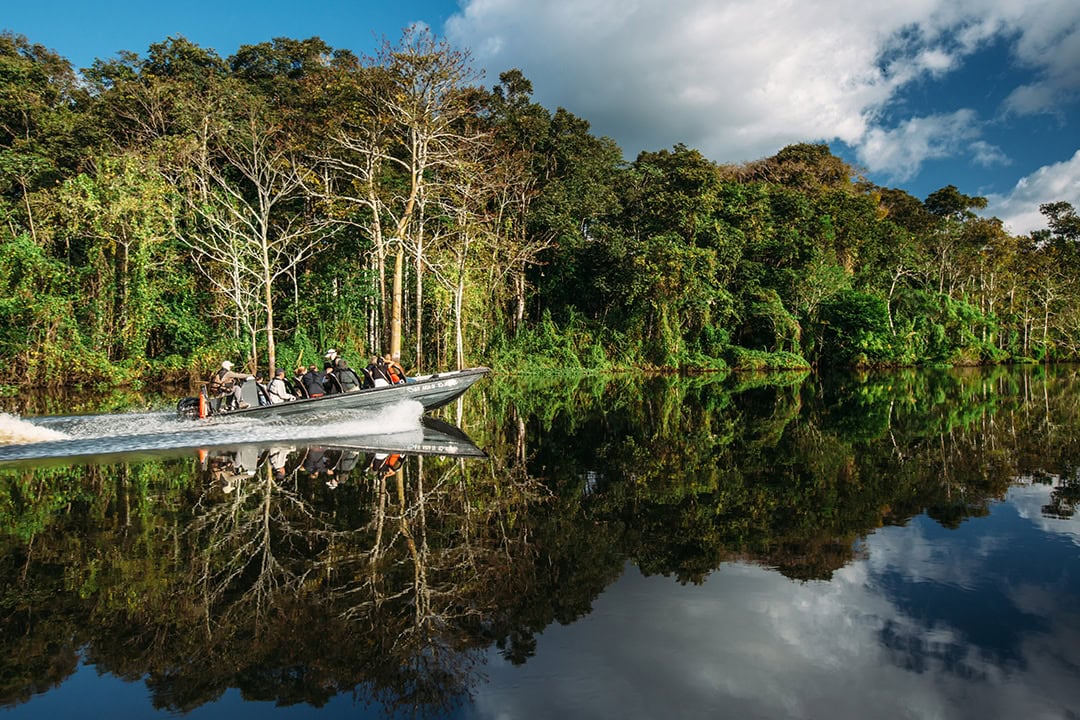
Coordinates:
column 431, row 391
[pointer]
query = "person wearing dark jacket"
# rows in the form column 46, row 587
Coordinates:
column 346, row 377
column 313, row 382
column 330, row 382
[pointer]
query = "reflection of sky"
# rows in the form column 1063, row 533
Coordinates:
column 978, row 622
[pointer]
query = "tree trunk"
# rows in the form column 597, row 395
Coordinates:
column 395, row 312
column 418, row 358
column 519, row 292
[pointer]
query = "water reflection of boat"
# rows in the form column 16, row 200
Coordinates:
column 335, row 458
column 431, row 391
column 433, row 437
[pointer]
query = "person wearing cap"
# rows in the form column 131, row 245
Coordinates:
column 346, row 379
column 276, row 389
column 225, row 380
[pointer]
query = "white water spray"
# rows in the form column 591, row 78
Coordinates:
column 103, row 435
column 16, row 431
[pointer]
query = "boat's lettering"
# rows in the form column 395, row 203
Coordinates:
column 429, row 385
column 421, row 447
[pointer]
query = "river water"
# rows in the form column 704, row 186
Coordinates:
column 893, row 545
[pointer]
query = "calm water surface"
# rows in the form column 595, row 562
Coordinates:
column 900, row 545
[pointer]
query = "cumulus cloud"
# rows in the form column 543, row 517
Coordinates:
column 1019, row 209
column 987, row 155
column 739, row 79
column 1049, row 44
column 900, row 152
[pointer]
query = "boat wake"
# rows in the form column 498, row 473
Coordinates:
column 16, row 431
column 106, row 436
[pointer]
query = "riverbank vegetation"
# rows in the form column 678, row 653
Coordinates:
column 161, row 212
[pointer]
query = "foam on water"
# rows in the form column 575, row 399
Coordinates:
column 81, row 435
column 16, row 431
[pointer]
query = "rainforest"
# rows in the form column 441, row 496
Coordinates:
column 164, row 211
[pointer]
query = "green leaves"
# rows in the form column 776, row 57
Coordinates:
column 855, row 329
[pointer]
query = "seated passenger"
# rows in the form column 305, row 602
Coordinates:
column 376, row 374
column 313, row 382
column 261, row 390
column 330, row 382
column 387, row 370
column 394, row 370
column 346, row 376
column 277, row 391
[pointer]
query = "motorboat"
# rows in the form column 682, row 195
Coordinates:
column 431, row 391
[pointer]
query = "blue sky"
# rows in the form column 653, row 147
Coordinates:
column 918, row 94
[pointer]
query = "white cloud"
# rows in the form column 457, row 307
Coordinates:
column 1050, row 44
column 1019, row 209
column 739, row 79
column 899, row 153
column 987, row 155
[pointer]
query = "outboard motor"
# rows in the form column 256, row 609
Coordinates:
column 188, row 408
column 195, row 408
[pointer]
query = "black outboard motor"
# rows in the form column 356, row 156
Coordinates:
column 195, row 408
column 188, row 408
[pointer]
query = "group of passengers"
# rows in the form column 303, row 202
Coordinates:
column 335, row 377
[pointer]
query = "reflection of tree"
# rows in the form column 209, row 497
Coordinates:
column 40, row 625
column 244, row 539
column 406, row 581
column 791, row 477
column 295, row 589
column 1065, row 497
column 282, row 587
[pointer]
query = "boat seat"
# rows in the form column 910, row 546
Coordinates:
column 249, row 393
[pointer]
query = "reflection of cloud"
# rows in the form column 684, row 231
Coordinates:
column 750, row 643
column 1029, row 501
column 925, row 561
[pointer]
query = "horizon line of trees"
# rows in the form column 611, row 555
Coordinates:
column 159, row 213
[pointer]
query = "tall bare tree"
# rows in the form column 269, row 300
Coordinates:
column 392, row 159
column 254, row 225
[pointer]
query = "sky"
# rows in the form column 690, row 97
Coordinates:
column 915, row 94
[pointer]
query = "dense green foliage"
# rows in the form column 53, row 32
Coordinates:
column 168, row 210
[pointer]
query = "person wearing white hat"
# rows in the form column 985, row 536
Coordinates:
column 225, row 380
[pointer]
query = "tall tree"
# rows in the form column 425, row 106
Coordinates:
column 417, row 124
column 252, row 218
column 41, row 139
